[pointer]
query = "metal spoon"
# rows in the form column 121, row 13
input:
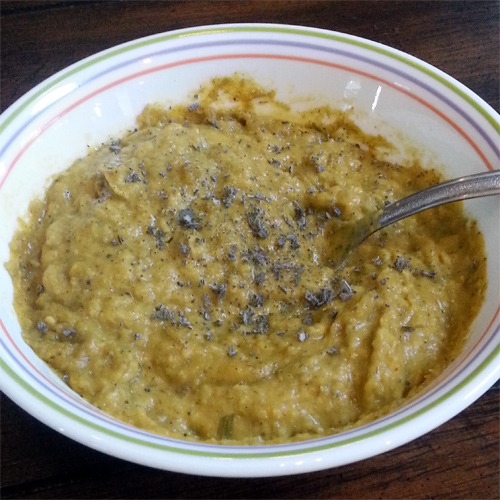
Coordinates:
column 352, row 234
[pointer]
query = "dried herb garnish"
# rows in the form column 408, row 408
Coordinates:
column 158, row 236
column 231, row 352
column 377, row 261
column 219, row 289
column 407, row 329
column 256, row 224
column 258, row 256
column 276, row 163
column 281, row 241
column 183, row 321
column 345, row 291
column 186, row 218
column 256, row 299
column 205, row 314
column 307, row 319
column 162, row 313
column 332, row 350
column 428, row 274
column 261, row 324
column 299, row 216
column 42, row 328
column 184, row 249
column 115, row 147
column 206, row 300
column 294, row 241
column 401, row 263
column 247, row 315
column 298, row 272
column 69, row 332
column 229, row 196
column 260, row 278
column 193, row 106
column 319, row 298
column 319, row 168
column 133, row 177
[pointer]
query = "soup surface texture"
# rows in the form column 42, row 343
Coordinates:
column 178, row 278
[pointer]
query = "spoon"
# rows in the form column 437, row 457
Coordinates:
column 352, row 234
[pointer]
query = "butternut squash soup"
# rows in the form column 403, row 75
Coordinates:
column 179, row 278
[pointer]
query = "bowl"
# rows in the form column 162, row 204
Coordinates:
column 414, row 105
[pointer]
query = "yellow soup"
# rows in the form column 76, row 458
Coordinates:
column 179, row 278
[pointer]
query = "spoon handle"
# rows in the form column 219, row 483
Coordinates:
column 471, row 186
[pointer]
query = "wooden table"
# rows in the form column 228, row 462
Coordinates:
column 459, row 459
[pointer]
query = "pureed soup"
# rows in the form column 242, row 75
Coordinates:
column 178, row 278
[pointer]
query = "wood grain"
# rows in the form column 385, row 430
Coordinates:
column 460, row 459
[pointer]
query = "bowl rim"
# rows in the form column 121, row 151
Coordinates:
column 487, row 366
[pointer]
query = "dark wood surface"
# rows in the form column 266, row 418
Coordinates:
column 460, row 459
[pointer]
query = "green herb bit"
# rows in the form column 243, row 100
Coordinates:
column 225, row 430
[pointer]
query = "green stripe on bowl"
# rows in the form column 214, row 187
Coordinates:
column 113, row 434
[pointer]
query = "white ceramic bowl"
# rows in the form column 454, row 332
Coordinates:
column 391, row 92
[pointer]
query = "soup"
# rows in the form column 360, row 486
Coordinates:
column 179, row 278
